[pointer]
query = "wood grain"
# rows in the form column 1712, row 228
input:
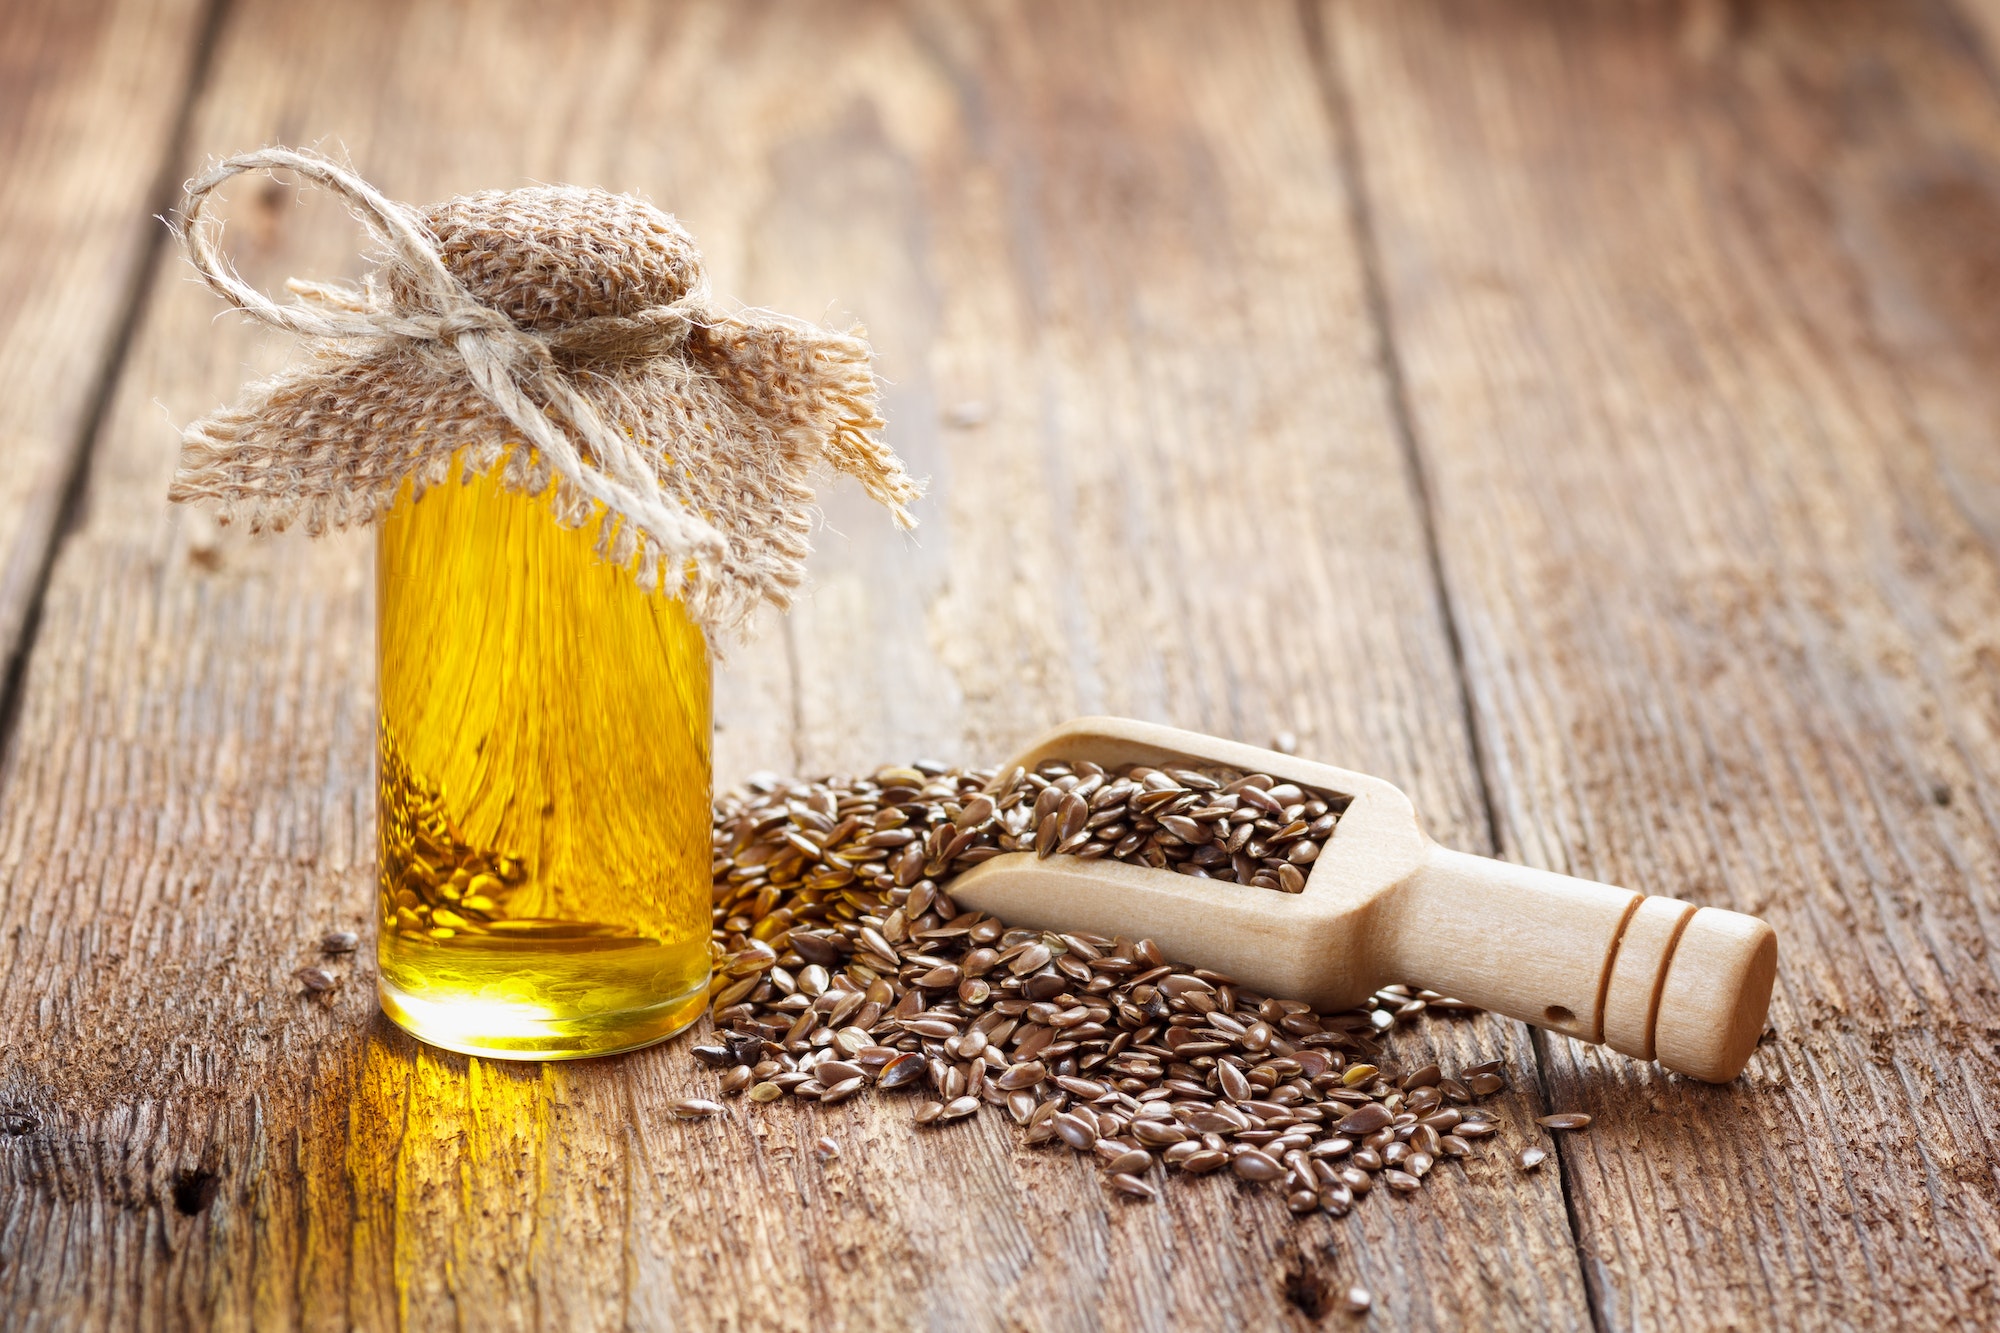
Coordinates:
column 1695, row 309
column 90, row 93
column 1131, row 241
column 1983, row 17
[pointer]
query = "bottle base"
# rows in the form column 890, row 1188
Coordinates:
column 499, row 1031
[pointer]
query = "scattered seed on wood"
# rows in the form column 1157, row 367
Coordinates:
column 902, row 1072
column 1132, row 1187
column 1133, row 1163
column 1356, row 1300
column 1254, row 1165
column 1532, row 1157
column 1024, row 1075
column 1365, row 1120
column 316, row 979
column 693, row 1108
column 1566, row 1120
column 339, row 941
column 826, row 1149
column 1072, row 1130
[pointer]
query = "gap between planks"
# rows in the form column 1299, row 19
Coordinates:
column 1321, row 54
column 162, row 195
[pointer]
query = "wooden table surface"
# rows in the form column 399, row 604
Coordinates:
column 1582, row 415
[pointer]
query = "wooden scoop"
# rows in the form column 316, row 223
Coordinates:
column 1651, row 977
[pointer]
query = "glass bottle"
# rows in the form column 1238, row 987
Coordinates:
column 543, row 781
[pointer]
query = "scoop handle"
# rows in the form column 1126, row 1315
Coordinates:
column 1652, row 977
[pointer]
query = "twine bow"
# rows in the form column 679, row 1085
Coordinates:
column 521, row 371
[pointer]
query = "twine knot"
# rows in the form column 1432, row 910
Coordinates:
column 471, row 317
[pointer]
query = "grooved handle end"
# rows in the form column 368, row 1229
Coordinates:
column 1716, row 995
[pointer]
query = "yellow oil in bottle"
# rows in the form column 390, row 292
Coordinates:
column 543, row 783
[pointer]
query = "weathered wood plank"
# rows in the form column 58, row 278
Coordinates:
column 90, row 93
column 1984, row 18
column 1695, row 308
column 1131, row 239
column 1126, row 244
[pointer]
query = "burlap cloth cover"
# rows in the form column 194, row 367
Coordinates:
column 566, row 337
